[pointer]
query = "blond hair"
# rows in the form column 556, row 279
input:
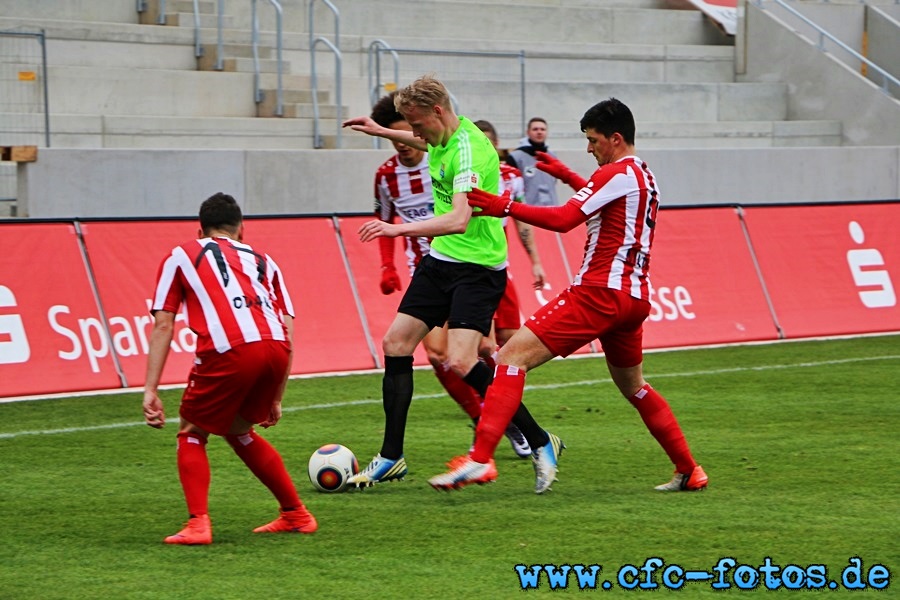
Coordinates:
column 425, row 92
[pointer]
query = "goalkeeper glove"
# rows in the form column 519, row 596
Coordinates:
column 390, row 281
column 490, row 204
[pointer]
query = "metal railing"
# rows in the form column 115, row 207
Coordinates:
column 279, row 45
column 220, row 25
column 198, row 49
column 141, row 6
column 822, row 35
column 335, row 48
column 375, row 85
column 254, row 40
column 458, row 69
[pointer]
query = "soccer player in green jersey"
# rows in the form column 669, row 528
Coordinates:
column 462, row 279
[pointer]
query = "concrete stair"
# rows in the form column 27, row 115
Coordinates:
column 672, row 66
column 177, row 12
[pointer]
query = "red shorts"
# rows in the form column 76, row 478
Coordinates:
column 581, row 314
column 508, row 315
column 242, row 381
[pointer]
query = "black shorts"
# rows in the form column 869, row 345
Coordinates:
column 464, row 295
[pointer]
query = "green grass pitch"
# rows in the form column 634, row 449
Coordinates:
column 801, row 441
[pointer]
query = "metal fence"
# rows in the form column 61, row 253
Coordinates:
column 24, row 116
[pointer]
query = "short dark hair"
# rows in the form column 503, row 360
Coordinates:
column 220, row 211
column 536, row 120
column 385, row 113
column 608, row 117
column 486, row 127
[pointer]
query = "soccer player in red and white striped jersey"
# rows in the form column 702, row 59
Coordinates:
column 237, row 304
column 403, row 190
column 609, row 298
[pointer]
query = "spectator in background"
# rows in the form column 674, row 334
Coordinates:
column 540, row 187
column 238, row 306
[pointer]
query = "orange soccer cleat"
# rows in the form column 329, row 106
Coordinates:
column 197, row 531
column 298, row 520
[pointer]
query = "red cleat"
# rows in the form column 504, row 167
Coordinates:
column 291, row 521
column 197, row 531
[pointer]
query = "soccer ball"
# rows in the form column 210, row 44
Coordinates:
column 331, row 466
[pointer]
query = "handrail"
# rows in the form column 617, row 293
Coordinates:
column 141, row 6
column 198, row 51
column 220, row 47
column 338, row 60
column 375, row 72
column 886, row 77
column 279, row 92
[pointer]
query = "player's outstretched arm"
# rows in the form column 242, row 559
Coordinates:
column 555, row 218
column 448, row 223
column 368, row 126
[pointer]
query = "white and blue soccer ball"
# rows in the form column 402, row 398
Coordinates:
column 331, row 466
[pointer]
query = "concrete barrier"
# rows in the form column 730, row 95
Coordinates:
column 73, row 183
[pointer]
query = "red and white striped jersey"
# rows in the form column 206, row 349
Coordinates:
column 511, row 179
column 621, row 200
column 232, row 294
column 405, row 192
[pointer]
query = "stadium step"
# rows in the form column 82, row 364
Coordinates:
column 177, row 12
column 105, row 71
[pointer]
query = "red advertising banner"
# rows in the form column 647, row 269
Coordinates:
column 52, row 338
column 328, row 330
column 830, row 270
column 326, row 335
column 705, row 287
column 365, row 265
column 125, row 257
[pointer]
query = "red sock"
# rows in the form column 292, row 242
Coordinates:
column 661, row 422
column 503, row 399
column 464, row 395
column 193, row 471
column 265, row 462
